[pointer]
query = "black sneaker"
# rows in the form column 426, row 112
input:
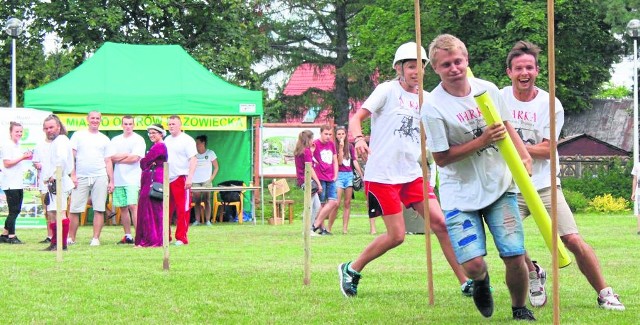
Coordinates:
column 125, row 240
column 14, row 240
column 523, row 313
column 325, row 232
column 54, row 247
column 482, row 296
column 317, row 231
column 348, row 280
column 46, row 241
column 4, row 239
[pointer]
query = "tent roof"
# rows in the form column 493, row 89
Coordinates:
column 144, row 79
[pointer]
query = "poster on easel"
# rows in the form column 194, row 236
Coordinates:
column 32, row 213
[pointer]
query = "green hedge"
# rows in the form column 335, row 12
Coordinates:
column 616, row 180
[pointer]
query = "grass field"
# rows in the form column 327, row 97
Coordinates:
column 246, row 274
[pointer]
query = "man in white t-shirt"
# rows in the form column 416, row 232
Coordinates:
column 529, row 106
column 474, row 178
column 181, row 152
column 92, row 175
column 206, row 171
column 129, row 148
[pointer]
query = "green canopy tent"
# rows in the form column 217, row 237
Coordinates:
column 155, row 81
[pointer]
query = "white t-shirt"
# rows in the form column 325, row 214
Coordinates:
column 395, row 134
column 481, row 178
column 41, row 155
column 13, row 177
column 636, row 172
column 91, row 150
column 128, row 174
column 180, row 149
column 531, row 121
column 61, row 154
column 204, row 168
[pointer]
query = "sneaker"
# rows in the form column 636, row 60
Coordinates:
column 542, row 274
column 325, row 232
column 179, row 243
column 125, row 240
column 195, row 223
column 523, row 313
column 70, row 241
column 537, row 294
column 4, row 238
column 317, row 231
column 95, row 242
column 54, row 247
column 609, row 300
column 348, row 280
column 46, row 241
column 14, row 240
column 208, row 224
column 467, row 288
column 482, row 297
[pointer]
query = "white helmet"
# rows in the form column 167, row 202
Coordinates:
column 407, row 51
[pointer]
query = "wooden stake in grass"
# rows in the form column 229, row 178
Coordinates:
column 425, row 169
column 553, row 153
column 306, row 222
column 165, row 216
column 58, row 234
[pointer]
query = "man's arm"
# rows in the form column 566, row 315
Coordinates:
column 193, row 161
column 459, row 152
column 522, row 151
column 355, row 128
column 335, row 167
column 109, row 164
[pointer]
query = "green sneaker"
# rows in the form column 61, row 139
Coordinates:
column 348, row 280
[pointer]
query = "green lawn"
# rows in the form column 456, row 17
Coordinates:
column 247, row 274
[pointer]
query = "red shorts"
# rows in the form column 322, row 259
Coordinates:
column 386, row 199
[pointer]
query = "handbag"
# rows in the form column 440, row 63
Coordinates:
column 357, row 179
column 156, row 191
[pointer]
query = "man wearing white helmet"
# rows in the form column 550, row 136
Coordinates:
column 393, row 176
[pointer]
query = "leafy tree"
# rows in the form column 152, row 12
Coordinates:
column 315, row 32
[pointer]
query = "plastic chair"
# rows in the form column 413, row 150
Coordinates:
column 218, row 201
column 280, row 188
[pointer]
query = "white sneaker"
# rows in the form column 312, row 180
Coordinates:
column 609, row 300
column 179, row 243
column 195, row 223
column 208, row 223
column 95, row 242
column 70, row 241
column 537, row 295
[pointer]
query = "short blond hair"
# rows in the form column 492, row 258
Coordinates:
column 446, row 42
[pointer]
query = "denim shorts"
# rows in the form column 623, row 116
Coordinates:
column 345, row 179
column 466, row 229
column 329, row 191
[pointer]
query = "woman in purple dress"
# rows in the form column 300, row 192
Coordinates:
column 149, row 227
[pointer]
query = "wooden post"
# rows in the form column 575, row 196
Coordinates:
column 165, row 216
column 59, row 205
column 306, row 221
column 423, row 146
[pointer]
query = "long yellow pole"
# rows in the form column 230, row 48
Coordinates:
column 423, row 160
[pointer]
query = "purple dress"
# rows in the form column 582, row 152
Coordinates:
column 149, row 227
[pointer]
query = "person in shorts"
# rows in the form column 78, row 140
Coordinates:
column 325, row 165
column 529, row 106
column 393, row 177
column 129, row 148
column 206, row 171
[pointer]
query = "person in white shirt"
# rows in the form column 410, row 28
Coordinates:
column 12, row 181
column 474, row 179
column 529, row 106
column 181, row 152
column 206, row 171
column 41, row 163
column 60, row 154
column 129, row 148
column 92, row 175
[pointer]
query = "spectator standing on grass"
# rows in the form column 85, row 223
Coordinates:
column 12, row 181
column 325, row 160
column 474, row 178
column 41, row 164
column 206, row 170
column 181, row 150
column 129, row 148
column 393, row 177
column 149, row 227
column 346, row 159
column 529, row 106
column 60, row 154
column 302, row 154
column 92, row 176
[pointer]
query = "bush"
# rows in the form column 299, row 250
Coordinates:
column 576, row 200
column 615, row 179
column 607, row 203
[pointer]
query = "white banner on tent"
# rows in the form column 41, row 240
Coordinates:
column 32, row 133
